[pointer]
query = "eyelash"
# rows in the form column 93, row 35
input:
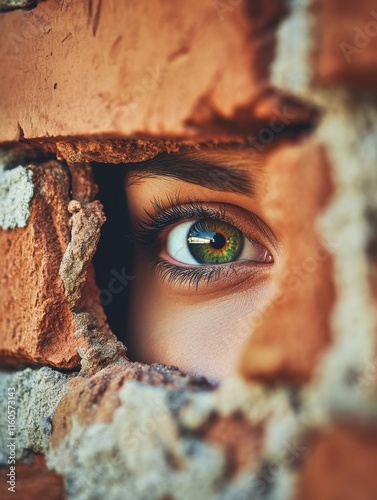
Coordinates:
column 185, row 275
column 168, row 214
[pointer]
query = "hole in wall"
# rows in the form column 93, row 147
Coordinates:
column 201, row 334
column 113, row 260
column 173, row 338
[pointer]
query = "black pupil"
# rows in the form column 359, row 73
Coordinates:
column 218, row 241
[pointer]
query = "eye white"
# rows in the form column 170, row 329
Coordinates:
column 176, row 244
column 255, row 252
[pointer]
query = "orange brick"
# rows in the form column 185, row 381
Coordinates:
column 346, row 42
column 293, row 330
column 35, row 318
column 340, row 463
column 33, row 481
column 109, row 68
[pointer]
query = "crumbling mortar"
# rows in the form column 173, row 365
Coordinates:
column 353, row 155
column 85, row 222
column 130, row 452
column 101, row 346
column 292, row 70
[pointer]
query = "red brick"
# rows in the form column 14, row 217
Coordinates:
column 292, row 332
column 35, row 317
column 340, row 463
column 346, row 42
column 140, row 67
column 33, row 481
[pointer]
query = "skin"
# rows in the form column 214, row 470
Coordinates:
column 203, row 329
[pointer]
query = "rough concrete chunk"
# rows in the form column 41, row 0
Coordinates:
column 16, row 192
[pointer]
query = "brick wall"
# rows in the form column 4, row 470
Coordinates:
column 95, row 81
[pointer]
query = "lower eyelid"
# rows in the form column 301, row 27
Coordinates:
column 185, row 274
column 210, row 278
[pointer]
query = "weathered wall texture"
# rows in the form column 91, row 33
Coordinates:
column 136, row 67
column 300, row 420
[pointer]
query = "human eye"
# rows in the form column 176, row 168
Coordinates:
column 210, row 241
column 198, row 243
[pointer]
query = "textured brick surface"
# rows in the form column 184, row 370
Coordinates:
column 288, row 335
column 299, row 423
column 346, row 42
column 46, row 275
column 340, row 464
column 141, row 67
column 33, row 481
column 35, row 318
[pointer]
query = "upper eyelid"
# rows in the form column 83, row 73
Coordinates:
column 174, row 210
column 176, row 202
column 151, row 227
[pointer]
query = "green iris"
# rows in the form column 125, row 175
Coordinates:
column 214, row 242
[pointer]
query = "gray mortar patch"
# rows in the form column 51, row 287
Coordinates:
column 16, row 192
column 38, row 393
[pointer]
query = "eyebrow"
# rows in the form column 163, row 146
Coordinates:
column 195, row 171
